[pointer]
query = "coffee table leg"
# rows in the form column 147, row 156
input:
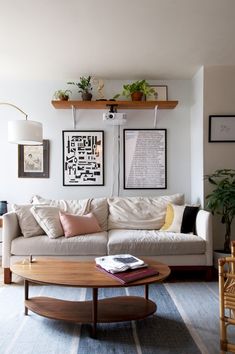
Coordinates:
column 94, row 311
column 146, row 291
column 26, row 295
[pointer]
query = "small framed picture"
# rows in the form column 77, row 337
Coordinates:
column 222, row 129
column 33, row 160
column 83, row 158
column 160, row 93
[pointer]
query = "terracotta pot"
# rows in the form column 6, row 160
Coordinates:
column 137, row 96
column 86, row 96
column 64, row 98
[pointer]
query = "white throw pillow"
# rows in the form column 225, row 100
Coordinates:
column 96, row 206
column 28, row 224
column 49, row 219
column 143, row 213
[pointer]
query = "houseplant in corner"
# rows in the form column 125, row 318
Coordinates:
column 221, row 200
column 136, row 90
column 84, row 86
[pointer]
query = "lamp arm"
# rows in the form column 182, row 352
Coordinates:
column 12, row 105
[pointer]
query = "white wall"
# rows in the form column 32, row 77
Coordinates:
column 218, row 99
column 196, row 134
column 34, row 98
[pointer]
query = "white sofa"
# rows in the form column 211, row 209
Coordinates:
column 129, row 225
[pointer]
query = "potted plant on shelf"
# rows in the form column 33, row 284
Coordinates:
column 221, row 200
column 62, row 95
column 84, row 86
column 136, row 90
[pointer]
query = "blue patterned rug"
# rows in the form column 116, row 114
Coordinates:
column 165, row 332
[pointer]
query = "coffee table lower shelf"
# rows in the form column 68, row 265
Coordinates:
column 116, row 309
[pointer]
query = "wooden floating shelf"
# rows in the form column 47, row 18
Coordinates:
column 120, row 104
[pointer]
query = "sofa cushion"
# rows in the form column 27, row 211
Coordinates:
column 74, row 225
column 49, row 219
column 154, row 243
column 28, row 224
column 180, row 218
column 144, row 213
column 93, row 244
column 97, row 206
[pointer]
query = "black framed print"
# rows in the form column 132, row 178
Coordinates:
column 83, row 158
column 222, row 129
column 33, row 160
column 145, row 158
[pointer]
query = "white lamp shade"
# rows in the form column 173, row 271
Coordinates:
column 25, row 132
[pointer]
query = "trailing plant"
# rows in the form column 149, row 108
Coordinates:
column 221, row 200
column 137, row 86
column 84, row 85
column 62, row 95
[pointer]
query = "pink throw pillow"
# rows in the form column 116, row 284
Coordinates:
column 74, row 225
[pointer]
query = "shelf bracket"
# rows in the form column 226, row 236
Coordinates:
column 155, row 117
column 74, row 117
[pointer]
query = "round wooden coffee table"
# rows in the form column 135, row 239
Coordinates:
column 85, row 274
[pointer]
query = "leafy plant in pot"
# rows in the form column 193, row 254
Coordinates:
column 62, row 95
column 84, row 86
column 136, row 90
column 221, row 200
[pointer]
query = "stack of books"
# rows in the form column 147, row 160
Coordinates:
column 124, row 267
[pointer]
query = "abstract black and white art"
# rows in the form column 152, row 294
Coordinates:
column 83, row 160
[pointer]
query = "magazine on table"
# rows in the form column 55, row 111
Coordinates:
column 119, row 263
column 131, row 274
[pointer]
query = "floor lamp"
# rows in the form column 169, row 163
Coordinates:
column 23, row 132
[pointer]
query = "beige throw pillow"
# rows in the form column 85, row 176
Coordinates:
column 143, row 213
column 96, row 206
column 49, row 219
column 28, row 224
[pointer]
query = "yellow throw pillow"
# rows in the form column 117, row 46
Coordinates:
column 169, row 217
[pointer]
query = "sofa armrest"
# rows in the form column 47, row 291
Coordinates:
column 204, row 230
column 11, row 230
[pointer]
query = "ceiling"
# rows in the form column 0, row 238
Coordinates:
column 114, row 39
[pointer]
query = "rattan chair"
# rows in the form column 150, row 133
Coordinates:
column 227, row 300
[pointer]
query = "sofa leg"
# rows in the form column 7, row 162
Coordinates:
column 7, row 276
column 209, row 274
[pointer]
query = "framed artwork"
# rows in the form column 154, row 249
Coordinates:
column 160, row 93
column 83, row 158
column 145, row 158
column 222, row 129
column 33, row 160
